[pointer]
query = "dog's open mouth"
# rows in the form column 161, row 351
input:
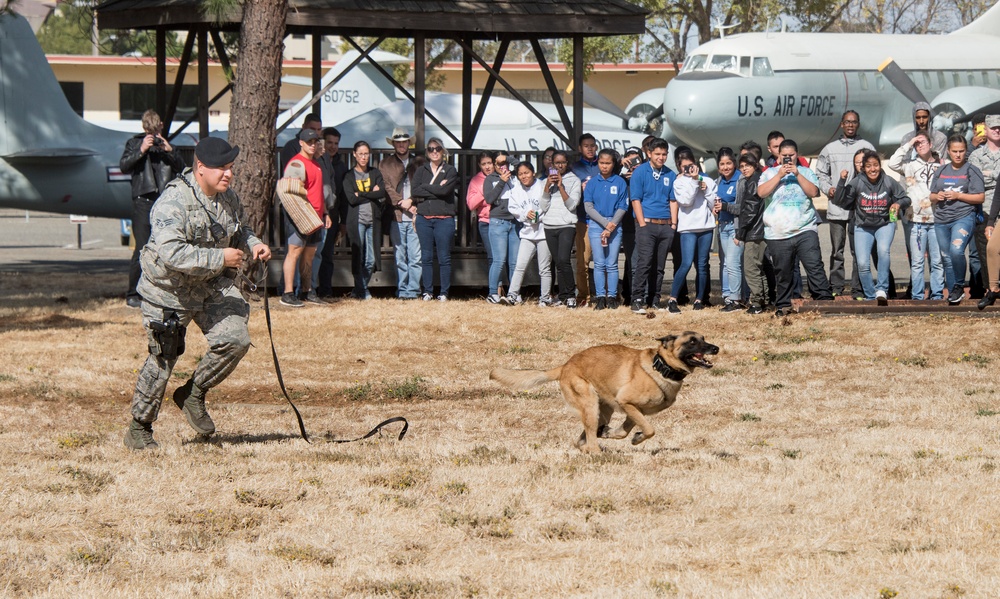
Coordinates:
column 699, row 360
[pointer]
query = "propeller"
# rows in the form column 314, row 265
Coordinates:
column 993, row 108
column 892, row 71
column 594, row 98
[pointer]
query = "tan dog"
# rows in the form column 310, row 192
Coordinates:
column 604, row 378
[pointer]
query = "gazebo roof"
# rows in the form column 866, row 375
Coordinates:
column 483, row 19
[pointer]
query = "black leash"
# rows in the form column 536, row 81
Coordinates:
column 260, row 284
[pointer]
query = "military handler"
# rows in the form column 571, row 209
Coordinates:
column 188, row 268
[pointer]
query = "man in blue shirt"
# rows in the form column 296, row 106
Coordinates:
column 651, row 190
column 585, row 169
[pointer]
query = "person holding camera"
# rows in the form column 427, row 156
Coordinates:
column 560, row 198
column 152, row 162
column 790, row 225
column 694, row 212
column 197, row 243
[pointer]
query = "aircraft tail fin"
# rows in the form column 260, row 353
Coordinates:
column 988, row 23
column 359, row 90
column 33, row 108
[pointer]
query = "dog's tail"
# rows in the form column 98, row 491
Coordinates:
column 522, row 380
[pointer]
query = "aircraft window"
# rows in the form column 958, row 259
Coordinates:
column 957, row 79
column 879, row 81
column 863, row 79
column 941, row 82
column 723, row 62
column 695, row 63
column 972, row 78
column 927, row 80
column 745, row 66
column 762, row 67
column 986, row 78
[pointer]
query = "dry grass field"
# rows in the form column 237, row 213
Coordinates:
column 821, row 457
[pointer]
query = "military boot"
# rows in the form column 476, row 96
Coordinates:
column 191, row 400
column 140, row 436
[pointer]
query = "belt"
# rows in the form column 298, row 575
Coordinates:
column 658, row 221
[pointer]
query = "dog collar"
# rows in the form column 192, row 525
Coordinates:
column 666, row 371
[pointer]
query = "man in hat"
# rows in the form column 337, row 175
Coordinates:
column 302, row 245
column 197, row 242
column 396, row 172
column 291, row 147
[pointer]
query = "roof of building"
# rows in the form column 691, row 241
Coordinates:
column 520, row 19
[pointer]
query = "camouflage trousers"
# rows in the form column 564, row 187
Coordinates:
column 223, row 319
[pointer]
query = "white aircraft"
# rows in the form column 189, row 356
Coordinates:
column 51, row 160
column 744, row 86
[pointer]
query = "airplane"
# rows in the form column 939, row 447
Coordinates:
column 743, row 86
column 51, row 160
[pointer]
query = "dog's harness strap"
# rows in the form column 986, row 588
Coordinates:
column 666, row 371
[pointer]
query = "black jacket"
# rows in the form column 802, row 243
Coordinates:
column 871, row 201
column 355, row 199
column 751, row 216
column 150, row 171
column 434, row 196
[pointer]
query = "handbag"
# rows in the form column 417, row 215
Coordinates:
column 292, row 195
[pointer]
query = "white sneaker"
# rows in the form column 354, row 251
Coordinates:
column 427, row 297
column 514, row 299
column 493, row 299
column 881, row 298
column 442, row 298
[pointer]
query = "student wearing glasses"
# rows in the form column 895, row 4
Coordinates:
column 434, row 185
column 504, row 228
column 837, row 156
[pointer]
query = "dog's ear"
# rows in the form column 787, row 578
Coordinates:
column 666, row 341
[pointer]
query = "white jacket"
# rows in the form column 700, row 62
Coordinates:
column 695, row 205
column 556, row 212
column 917, row 175
column 523, row 201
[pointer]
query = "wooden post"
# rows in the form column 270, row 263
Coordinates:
column 317, row 66
column 577, row 88
column 202, row 82
column 467, row 96
column 419, row 84
column 161, row 73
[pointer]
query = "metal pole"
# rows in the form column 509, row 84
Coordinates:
column 79, row 236
column 419, row 82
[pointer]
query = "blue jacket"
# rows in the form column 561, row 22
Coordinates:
column 653, row 192
column 727, row 193
column 607, row 195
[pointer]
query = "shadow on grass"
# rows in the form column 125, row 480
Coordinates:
column 239, row 439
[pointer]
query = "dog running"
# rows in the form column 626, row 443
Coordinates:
column 602, row 379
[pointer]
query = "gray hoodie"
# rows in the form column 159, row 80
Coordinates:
column 939, row 141
column 837, row 156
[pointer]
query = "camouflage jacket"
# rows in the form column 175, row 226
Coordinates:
column 989, row 163
column 184, row 263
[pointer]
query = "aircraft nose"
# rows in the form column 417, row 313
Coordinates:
column 694, row 115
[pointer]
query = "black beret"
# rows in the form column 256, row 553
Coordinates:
column 214, row 152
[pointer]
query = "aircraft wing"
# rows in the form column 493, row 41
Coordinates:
column 44, row 155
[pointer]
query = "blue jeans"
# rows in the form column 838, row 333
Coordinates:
column 864, row 239
column 408, row 268
column 484, row 236
column 365, row 263
column 436, row 236
column 923, row 240
column 952, row 241
column 695, row 248
column 504, row 241
column 605, row 260
column 732, row 281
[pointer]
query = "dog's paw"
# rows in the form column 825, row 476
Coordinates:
column 638, row 438
column 602, row 431
column 617, row 433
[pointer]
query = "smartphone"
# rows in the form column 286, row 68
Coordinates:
column 786, row 160
column 980, row 129
column 553, row 171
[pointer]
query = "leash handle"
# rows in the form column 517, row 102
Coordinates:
column 378, row 427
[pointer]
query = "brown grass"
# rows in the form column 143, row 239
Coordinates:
column 822, row 457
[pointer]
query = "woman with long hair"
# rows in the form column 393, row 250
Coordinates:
column 957, row 191
column 476, row 202
column 727, row 210
column 504, row 227
column 366, row 195
column 695, row 218
column 560, row 197
column 606, row 202
column 434, row 186
column 525, row 205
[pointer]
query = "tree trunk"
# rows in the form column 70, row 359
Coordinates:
column 254, row 107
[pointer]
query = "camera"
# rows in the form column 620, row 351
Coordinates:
column 689, row 169
column 786, row 160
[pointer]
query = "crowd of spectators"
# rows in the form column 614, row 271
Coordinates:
column 576, row 214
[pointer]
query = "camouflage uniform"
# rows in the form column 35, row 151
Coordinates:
column 183, row 272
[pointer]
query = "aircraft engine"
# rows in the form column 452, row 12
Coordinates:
column 954, row 108
column 645, row 113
